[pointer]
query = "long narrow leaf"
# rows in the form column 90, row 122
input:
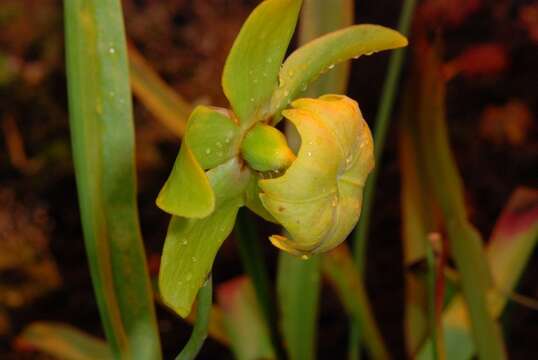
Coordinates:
column 298, row 285
column 255, row 266
column 165, row 104
column 298, row 280
column 244, row 320
column 318, row 18
column 513, row 240
column 443, row 178
column 103, row 147
column 63, row 342
column 417, row 222
column 343, row 274
column 382, row 122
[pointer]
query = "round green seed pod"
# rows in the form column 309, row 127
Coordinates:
column 265, row 148
column 318, row 199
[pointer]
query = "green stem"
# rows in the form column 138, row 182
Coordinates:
column 201, row 326
column 382, row 123
column 380, row 133
column 254, row 263
column 338, row 266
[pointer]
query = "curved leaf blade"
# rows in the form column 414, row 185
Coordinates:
column 318, row 56
column 251, row 71
column 192, row 244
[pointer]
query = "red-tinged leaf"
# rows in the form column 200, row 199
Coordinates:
column 244, row 321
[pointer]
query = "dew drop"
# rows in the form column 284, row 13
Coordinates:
column 290, row 73
column 369, row 53
column 304, row 257
column 331, row 66
column 227, row 140
column 309, row 153
column 356, row 57
column 286, row 93
column 255, row 81
column 362, row 145
column 112, row 94
column 189, row 277
column 269, row 60
column 194, row 259
column 305, row 86
column 208, row 151
column 219, row 144
column 251, row 99
column 185, row 242
column 112, row 50
column 264, row 74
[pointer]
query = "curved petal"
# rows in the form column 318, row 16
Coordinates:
column 319, row 197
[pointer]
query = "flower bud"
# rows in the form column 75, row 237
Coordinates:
column 318, row 200
column 265, row 149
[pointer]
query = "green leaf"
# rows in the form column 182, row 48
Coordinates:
column 244, row 320
column 308, row 62
column 510, row 247
column 159, row 98
column 101, row 123
column 63, row 342
column 251, row 71
column 298, row 280
column 192, row 244
column 254, row 264
column 318, row 18
column 339, row 268
column 298, row 285
column 417, row 223
column 444, row 180
column 318, row 199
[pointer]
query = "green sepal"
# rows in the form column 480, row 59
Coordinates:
column 212, row 135
column 266, row 149
column 251, row 71
column 307, row 63
column 187, row 191
column 212, row 138
column 192, row 244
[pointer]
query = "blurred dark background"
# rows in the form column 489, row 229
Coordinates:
column 492, row 112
